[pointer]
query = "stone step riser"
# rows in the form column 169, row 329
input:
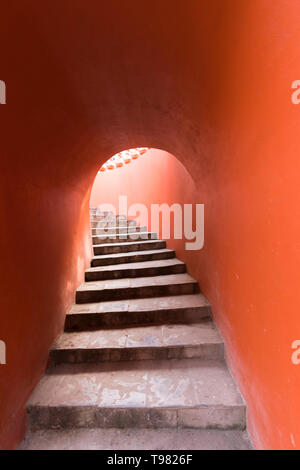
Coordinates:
column 202, row 417
column 96, row 213
column 97, row 218
column 133, row 259
column 132, row 273
column 142, row 439
column 94, row 321
column 77, row 356
column 110, row 224
column 110, row 215
column 121, row 238
column 100, row 218
column 99, row 212
column 105, row 221
column 136, row 292
column 123, row 248
column 118, row 230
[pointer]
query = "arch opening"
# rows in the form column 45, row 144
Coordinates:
column 157, row 191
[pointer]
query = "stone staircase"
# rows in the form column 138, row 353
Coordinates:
column 140, row 364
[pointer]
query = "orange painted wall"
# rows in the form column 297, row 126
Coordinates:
column 208, row 81
column 43, row 256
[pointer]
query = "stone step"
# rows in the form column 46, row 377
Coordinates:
column 149, row 311
column 200, row 340
column 118, row 289
column 100, row 218
column 127, row 229
column 110, row 223
column 133, row 439
column 125, row 247
column 132, row 257
column 107, row 214
column 97, row 211
column 188, row 393
column 122, row 238
column 107, row 220
column 142, row 269
column 101, row 213
column 113, row 223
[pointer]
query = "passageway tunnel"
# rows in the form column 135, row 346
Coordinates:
column 208, row 81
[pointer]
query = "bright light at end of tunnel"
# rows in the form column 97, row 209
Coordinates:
column 123, row 158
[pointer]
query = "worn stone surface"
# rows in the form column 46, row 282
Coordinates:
column 140, row 343
column 138, row 394
column 118, row 229
column 112, row 223
column 136, row 439
column 156, row 310
column 123, row 237
column 125, row 247
column 132, row 257
column 109, row 216
column 173, row 284
column 139, row 269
